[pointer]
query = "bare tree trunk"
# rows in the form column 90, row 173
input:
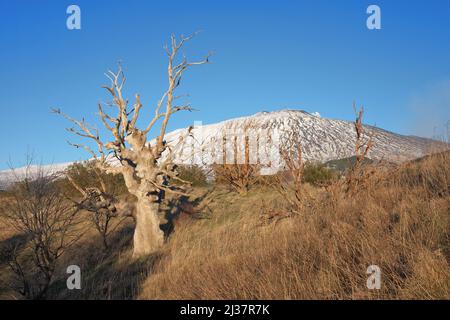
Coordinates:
column 148, row 237
column 146, row 168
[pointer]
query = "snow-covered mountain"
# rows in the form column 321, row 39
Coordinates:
column 10, row 176
column 322, row 140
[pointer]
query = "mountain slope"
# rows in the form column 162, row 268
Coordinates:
column 9, row 176
column 322, row 140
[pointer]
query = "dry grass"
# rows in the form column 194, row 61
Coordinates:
column 105, row 275
column 399, row 222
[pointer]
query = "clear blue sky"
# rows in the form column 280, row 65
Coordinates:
column 314, row 55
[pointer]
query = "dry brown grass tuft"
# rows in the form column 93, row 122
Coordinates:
column 399, row 221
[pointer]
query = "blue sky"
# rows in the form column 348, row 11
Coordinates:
column 312, row 55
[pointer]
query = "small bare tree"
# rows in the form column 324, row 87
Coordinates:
column 96, row 198
column 146, row 167
column 240, row 175
column 288, row 182
column 363, row 144
column 40, row 213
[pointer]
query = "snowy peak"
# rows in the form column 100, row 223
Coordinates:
column 321, row 140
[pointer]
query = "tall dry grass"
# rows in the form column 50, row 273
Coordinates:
column 398, row 221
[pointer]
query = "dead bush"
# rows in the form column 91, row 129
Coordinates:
column 239, row 177
column 48, row 223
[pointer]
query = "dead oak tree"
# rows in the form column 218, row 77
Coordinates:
column 146, row 167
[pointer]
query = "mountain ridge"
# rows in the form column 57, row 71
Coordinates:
column 323, row 139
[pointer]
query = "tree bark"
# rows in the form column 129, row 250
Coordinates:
column 148, row 237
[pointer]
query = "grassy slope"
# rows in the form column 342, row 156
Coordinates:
column 400, row 222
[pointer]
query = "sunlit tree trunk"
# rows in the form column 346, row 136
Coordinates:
column 147, row 167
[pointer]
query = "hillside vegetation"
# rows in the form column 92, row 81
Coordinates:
column 235, row 246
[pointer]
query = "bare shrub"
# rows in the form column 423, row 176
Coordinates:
column 288, row 182
column 240, row 177
column 99, row 196
column 40, row 213
column 359, row 174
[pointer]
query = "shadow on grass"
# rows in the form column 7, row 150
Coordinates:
column 16, row 242
column 105, row 275
column 174, row 209
column 8, row 246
